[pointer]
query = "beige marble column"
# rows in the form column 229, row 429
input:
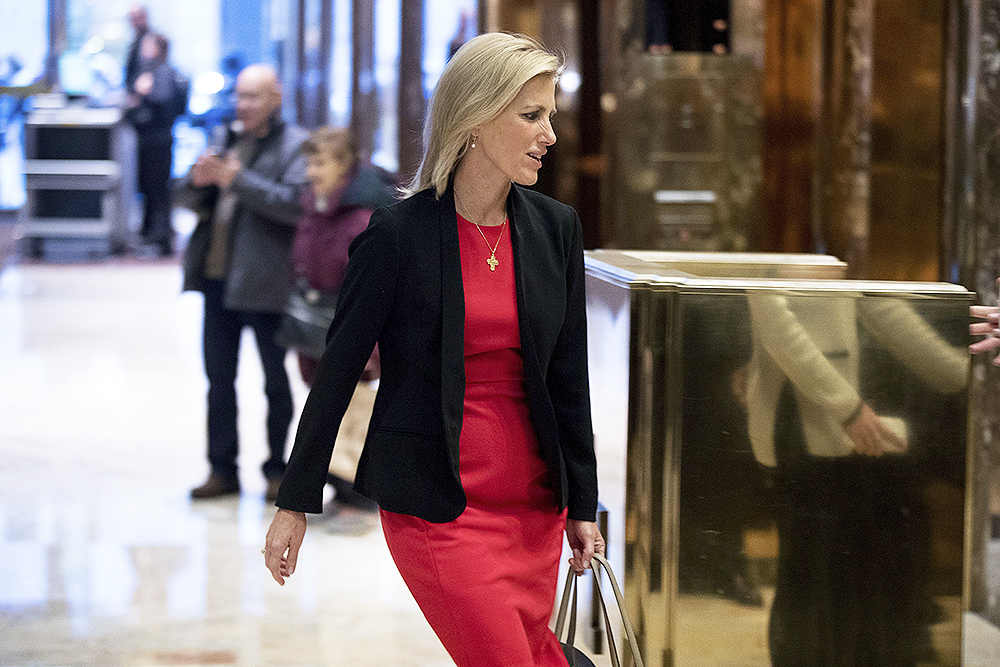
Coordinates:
column 844, row 139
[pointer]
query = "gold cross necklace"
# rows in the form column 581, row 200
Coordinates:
column 492, row 261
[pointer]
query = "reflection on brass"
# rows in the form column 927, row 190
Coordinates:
column 726, row 448
column 724, row 264
column 684, row 153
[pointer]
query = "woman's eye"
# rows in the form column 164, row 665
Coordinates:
column 531, row 116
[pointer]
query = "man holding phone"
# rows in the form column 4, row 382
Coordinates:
column 246, row 197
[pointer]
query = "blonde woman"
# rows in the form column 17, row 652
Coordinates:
column 480, row 449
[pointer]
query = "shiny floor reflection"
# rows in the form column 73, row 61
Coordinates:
column 105, row 561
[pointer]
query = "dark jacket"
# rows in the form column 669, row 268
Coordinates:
column 403, row 288
column 133, row 65
column 153, row 117
column 269, row 188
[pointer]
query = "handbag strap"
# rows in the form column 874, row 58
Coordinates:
column 568, row 598
column 568, row 602
column 568, row 605
column 620, row 601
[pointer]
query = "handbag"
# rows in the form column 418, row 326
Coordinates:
column 306, row 320
column 567, row 606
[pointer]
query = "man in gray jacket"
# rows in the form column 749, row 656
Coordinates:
column 246, row 195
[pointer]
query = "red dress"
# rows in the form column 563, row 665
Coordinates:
column 486, row 582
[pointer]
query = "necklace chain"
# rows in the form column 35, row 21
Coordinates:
column 492, row 261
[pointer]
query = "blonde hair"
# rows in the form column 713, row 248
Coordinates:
column 480, row 81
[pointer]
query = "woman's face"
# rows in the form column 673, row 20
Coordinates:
column 324, row 172
column 515, row 141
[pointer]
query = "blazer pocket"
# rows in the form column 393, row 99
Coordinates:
column 409, row 473
column 390, row 431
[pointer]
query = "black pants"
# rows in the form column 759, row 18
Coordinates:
column 852, row 552
column 221, row 347
column 154, row 170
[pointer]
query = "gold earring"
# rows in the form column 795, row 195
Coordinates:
column 473, row 141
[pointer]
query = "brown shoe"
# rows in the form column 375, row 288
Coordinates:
column 216, row 486
column 272, row 489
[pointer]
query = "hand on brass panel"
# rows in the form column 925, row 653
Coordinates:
column 281, row 547
column 988, row 328
column 585, row 540
column 870, row 436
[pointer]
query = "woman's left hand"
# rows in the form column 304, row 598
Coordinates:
column 585, row 540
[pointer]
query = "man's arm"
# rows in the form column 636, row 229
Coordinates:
column 277, row 199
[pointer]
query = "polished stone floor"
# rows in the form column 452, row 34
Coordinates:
column 105, row 561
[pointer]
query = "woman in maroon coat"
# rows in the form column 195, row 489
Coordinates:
column 335, row 209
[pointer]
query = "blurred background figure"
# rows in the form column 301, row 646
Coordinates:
column 158, row 97
column 852, row 581
column 138, row 17
column 336, row 207
column 246, row 197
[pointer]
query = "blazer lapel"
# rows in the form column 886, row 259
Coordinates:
column 521, row 224
column 452, row 324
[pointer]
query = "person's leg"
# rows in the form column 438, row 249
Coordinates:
column 144, row 183
column 276, row 388
column 158, row 199
column 221, row 348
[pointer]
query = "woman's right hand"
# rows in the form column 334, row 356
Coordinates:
column 988, row 327
column 870, row 435
column 281, row 548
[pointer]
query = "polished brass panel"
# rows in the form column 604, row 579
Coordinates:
column 724, row 264
column 702, row 494
column 907, row 142
column 684, row 153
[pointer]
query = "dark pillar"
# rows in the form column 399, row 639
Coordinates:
column 313, row 47
column 591, row 162
column 844, row 140
column 411, row 92
column 972, row 207
column 364, row 96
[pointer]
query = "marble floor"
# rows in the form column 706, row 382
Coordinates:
column 103, row 558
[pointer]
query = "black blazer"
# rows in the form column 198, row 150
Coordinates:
column 403, row 288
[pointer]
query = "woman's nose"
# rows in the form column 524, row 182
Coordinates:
column 548, row 134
